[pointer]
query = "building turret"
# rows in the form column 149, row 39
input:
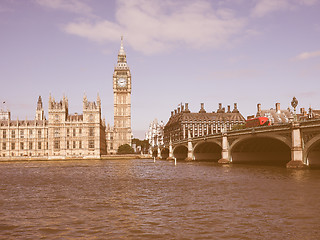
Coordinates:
column 58, row 111
column 85, row 101
column 98, row 101
column 39, row 111
column 122, row 58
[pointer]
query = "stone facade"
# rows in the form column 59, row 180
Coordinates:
column 60, row 136
column 122, row 133
column 183, row 122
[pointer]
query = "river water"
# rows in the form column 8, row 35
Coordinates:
column 140, row 199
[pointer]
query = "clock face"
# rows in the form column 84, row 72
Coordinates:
column 122, row 82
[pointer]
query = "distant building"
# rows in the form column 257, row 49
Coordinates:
column 201, row 123
column 277, row 115
column 310, row 115
column 155, row 133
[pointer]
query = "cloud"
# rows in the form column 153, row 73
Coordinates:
column 153, row 26
column 74, row 6
column 307, row 55
column 265, row 7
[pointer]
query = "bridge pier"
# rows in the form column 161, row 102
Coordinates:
column 296, row 148
column 225, row 159
column 158, row 153
column 190, row 148
column 170, row 151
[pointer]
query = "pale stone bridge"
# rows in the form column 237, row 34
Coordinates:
column 295, row 145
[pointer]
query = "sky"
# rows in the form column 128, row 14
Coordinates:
column 179, row 51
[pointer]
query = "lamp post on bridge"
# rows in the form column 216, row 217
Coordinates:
column 294, row 104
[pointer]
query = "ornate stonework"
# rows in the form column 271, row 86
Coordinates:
column 122, row 101
column 60, row 136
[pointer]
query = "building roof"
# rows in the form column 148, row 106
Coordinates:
column 202, row 115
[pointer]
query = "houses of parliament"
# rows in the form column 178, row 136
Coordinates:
column 63, row 135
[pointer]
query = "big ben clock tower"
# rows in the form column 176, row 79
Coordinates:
column 122, row 101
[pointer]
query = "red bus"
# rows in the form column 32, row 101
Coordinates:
column 258, row 122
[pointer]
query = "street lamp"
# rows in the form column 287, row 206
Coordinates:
column 294, row 104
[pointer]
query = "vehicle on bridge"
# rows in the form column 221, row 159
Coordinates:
column 258, row 122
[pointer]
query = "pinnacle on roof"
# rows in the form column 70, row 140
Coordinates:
column 121, row 51
column 39, row 104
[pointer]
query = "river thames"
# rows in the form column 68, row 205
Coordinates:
column 140, row 199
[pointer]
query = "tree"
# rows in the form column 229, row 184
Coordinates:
column 125, row 149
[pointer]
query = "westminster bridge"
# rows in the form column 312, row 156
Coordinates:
column 295, row 145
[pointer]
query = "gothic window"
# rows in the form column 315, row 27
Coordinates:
column 56, row 117
column 39, row 133
column 91, row 118
column 74, row 132
column 21, row 146
column 91, row 144
column 56, row 145
column 68, row 145
column 80, row 131
column 13, row 146
column 4, row 134
column 56, row 132
column 39, row 145
column 68, row 132
column 4, row 146
column 13, row 134
column 91, row 132
column 80, row 144
column 21, row 134
column 30, row 133
column 30, row 145
column 74, row 145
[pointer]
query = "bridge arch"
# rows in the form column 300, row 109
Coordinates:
column 164, row 153
column 180, row 152
column 266, row 150
column 207, row 151
column 312, row 152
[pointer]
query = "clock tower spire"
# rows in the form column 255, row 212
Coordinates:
column 122, row 100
